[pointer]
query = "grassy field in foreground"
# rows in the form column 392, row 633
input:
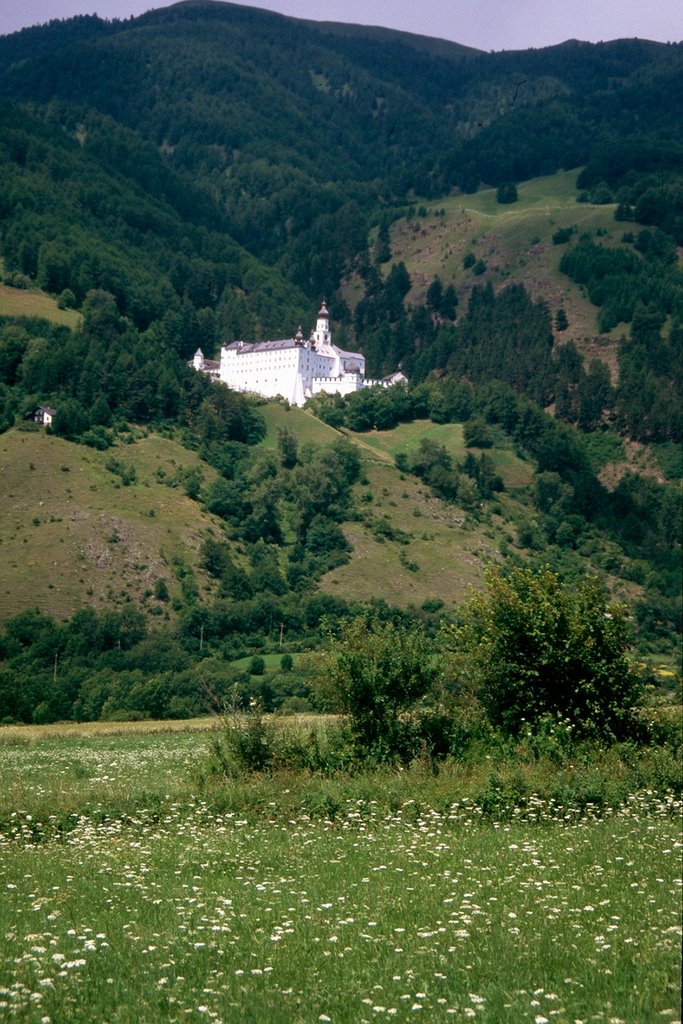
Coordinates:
column 183, row 908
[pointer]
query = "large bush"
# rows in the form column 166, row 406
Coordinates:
column 530, row 647
column 375, row 672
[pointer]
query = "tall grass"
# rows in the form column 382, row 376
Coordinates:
column 352, row 901
column 142, row 882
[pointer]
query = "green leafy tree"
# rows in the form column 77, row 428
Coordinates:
column 375, row 673
column 215, row 557
column 383, row 248
column 477, row 433
column 288, row 447
column 71, row 419
column 225, row 498
column 534, row 648
column 100, row 413
column 67, row 299
column 507, row 192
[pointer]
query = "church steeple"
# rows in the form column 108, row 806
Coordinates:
column 322, row 328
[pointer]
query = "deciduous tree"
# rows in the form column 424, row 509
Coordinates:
column 533, row 648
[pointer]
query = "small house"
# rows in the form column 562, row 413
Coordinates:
column 44, row 415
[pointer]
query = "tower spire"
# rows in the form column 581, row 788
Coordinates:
column 322, row 328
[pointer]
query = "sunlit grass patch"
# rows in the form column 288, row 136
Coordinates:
column 406, row 438
column 136, row 887
column 29, row 734
column 19, row 302
column 307, row 428
column 195, row 914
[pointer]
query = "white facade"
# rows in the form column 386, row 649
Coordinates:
column 293, row 368
column 44, row 415
column 209, row 366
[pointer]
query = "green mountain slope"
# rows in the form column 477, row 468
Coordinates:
column 101, row 211
column 282, row 124
column 74, row 535
column 82, row 527
column 515, row 243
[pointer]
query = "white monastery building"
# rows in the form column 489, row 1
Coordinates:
column 294, row 369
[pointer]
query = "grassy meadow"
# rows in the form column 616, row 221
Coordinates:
column 19, row 302
column 515, row 243
column 73, row 533
column 137, row 888
column 406, row 437
column 307, row 428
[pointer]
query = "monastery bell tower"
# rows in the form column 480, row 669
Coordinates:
column 321, row 335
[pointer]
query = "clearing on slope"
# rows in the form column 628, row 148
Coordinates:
column 308, row 429
column 19, row 302
column 75, row 533
column 510, row 242
column 406, row 437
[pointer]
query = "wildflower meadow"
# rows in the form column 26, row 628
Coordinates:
column 131, row 891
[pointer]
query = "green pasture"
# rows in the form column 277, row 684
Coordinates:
column 132, row 891
column 307, row 428
column 73, row 534
column 407, row 436
column 553, row 196
column 17, row 302
column 552, row 192
column 514, row 241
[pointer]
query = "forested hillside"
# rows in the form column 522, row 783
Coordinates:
column 209, row 172
column 296, row 132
